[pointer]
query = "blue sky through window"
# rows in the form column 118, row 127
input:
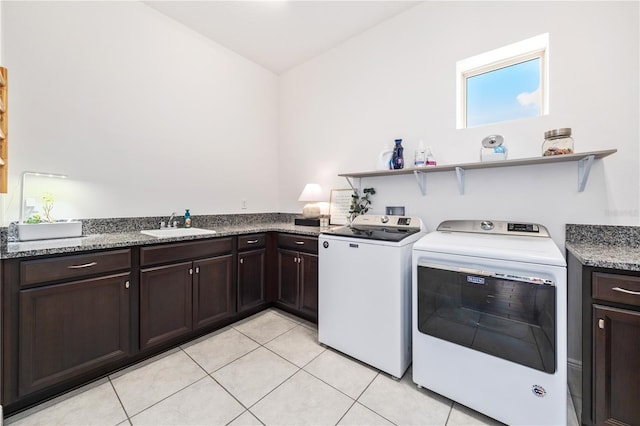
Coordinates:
column 504, row 94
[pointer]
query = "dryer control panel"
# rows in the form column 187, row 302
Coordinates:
column 494, row 227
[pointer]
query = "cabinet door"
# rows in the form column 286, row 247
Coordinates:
column 251, row 279
column 616, row 366
column 68, row 329
column 165, row 303
column 213, row 290
column 309, row 284
column 288, row 278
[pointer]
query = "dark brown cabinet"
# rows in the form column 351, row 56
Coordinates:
column 165, row 303
column 71, row 328
column 184, row 296
column 298, row 275
column 251, row 271
column 64, row 317
column 616, row 349
column 213, row 290
column 610, row 344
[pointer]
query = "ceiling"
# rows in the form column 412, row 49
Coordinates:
column 280, row 34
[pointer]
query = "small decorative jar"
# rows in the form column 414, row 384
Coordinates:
column 557, row 142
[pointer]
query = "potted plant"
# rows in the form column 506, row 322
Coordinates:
column 360, row 204
column 42, row 227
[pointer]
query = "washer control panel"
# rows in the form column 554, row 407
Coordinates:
column 389, row 221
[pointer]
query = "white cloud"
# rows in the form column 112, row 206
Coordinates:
column 529, row 98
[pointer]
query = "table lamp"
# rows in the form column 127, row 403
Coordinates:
column 312, row 193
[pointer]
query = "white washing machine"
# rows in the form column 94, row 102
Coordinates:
column 490, row 320
column 364, row 290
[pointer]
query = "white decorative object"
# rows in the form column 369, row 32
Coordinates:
column 339, row 206
column 46, row 231
column 493, row 149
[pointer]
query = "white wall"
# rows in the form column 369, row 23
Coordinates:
column 145, row 116
column 339, row 110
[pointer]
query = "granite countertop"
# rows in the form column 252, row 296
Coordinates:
column 605, row 246
column 128, row 238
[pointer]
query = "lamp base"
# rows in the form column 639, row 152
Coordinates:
column 306, row 222
column 311, row 211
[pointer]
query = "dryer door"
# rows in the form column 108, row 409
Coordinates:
column 506, row 315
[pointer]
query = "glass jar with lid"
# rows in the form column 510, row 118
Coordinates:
column 557, row 142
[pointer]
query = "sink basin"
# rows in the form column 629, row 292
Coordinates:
column 176, row 232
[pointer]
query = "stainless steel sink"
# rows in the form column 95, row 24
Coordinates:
column 176, row 232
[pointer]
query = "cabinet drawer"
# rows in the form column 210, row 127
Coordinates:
column 77, row 266
column 185, row 251
column 250, row 242
column 297, row 242
column 616, row 288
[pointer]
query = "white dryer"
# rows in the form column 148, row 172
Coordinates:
column 490, row 319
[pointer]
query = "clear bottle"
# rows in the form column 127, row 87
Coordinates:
column 430, row 160
column 557, row 142
column 397, row 161
column 420, row 157
column 187, row 219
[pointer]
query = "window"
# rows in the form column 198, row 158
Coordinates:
column 504, row 84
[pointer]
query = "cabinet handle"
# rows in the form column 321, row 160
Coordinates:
column 300, row 243
column 624, row 290
column 601, row 323
column 242, row 260
column 252, row 241
column 126, row 284
column 197, row 269
column 86, row 265
column 190, row 271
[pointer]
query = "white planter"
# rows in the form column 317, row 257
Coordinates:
column 46, row 231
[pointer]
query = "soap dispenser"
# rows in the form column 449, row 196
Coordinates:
column 187, row 219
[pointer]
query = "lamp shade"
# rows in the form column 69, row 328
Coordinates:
column 311, row 192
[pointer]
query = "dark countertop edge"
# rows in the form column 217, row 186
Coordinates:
column 599, row 255
column 131, row 239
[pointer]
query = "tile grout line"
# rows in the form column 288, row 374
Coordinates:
column 355, row 400
column 226, row 364
column 285, row 380
column 120, row 401
column 172, row 394
column 260, row 345
column 345, row 413
column 446, row 422
column 326, row 348
column 367, row 407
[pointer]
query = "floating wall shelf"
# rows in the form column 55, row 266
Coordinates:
column 4, row 120
column 584, row 160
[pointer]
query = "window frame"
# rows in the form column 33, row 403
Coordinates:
column 532, row 48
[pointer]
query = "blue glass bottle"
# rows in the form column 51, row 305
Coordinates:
column 397, row 161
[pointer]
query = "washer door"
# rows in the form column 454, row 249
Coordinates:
column 505, row 315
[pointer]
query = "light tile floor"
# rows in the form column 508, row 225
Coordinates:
column 267, row 369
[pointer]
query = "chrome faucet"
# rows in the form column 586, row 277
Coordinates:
column 171, row 222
